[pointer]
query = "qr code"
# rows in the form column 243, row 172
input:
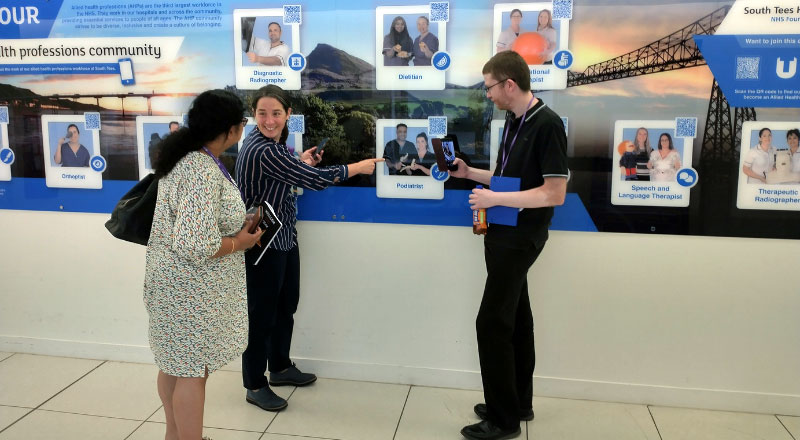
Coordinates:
column 92, row 120
column 562, row 9
column 686, row 127
column 565, row 121
column 440, row 11
column 747, row 67
column 3, row 115
column 297, row 124
column 291, row 14
column 437, row 125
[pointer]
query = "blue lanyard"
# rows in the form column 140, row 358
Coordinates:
column 221, row 166
column 514, row 140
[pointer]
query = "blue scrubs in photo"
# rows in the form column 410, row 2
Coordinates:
column 70, row 159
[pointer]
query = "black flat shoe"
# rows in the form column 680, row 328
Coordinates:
column 266, row 399
column 292, row 376
column 487, row 430
column 482, row 412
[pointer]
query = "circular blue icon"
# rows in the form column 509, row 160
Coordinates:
column 98, row 164
column 439, row 176
column 296, row 62
column 6, row 156
column 441, row 60
column 687, row 177
column 563, row 59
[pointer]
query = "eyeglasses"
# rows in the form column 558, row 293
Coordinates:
column 487, row 88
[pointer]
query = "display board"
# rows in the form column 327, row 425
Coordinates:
column 681, row 117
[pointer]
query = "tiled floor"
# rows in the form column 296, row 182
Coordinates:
column 46, row 398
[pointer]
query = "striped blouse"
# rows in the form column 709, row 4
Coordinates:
column 267, row 171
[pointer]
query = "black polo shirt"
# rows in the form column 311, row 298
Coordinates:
column 540, row 151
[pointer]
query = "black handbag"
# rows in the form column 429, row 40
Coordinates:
column 132, row 218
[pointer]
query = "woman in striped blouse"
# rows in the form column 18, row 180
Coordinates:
column 266, row 171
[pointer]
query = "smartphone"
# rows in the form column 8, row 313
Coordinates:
column 445, row 149
column 255, row 213
column 126, row 71
column 68, row 136
column 321, row 145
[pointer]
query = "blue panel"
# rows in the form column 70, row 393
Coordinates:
column 28, row 18
column 362, row 205
column 59, row 69
column 754, row 70
column 32, row 194
column 346, row 204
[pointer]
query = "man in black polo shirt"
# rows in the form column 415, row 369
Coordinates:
column 397, row 150
column 534, row 149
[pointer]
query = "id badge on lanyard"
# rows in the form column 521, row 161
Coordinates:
column 507, row 154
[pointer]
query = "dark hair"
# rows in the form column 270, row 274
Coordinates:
column 76, row 128
column 399, row 37
column 513, row 11
column 425, row 18
column 422, row 135
column 793, row 131
column 276, row 24
column 509, row 65
column 401, row 125
column 173, row 122
column 277, row 93
column 211, row 114
column 671, row 147
column 760, row 132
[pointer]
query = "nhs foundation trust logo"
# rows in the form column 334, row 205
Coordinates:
column 27, row 18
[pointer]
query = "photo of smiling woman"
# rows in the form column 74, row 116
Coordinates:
column 398, row 47
column 70, row 152
column 266, row 171
column 665, row 162
column 419, row 163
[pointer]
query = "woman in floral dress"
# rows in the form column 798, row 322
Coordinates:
column 194, row 286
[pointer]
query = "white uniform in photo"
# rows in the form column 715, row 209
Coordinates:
column 506, row 39
column 796, row 162
column 263, row 48
column 760, row 161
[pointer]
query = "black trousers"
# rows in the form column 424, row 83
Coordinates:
column 273, row 291
column 505, row 333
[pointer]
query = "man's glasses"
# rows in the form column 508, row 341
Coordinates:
column 487, row 88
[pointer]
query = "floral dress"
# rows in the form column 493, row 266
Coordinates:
column 197, row 304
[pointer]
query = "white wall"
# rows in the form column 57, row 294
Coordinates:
column 692, row 321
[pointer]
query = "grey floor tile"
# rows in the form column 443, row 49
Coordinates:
column 114, row 389
column 566, row 419
column 152, row 430
column 10, row 414
column 343, row 409
column 693, row 424
column 29, row 380
column 792, row 424
column 48, row 425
